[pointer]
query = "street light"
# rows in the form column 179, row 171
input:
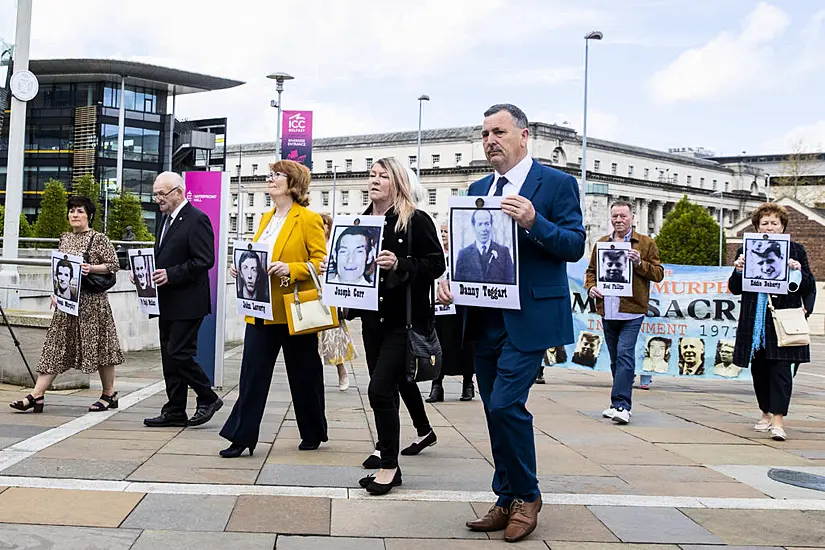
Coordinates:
column 595, row 35
column 768, row 177
column 721, row 222
column 279, row 79
column 421, row 100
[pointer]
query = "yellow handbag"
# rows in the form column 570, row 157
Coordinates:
column 305, row 314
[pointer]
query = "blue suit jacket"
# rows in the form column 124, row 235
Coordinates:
column 557, row 237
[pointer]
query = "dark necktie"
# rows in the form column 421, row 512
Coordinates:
column 483, row 251
column 502, row 181
column 167, row 222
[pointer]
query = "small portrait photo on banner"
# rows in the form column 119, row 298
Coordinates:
column 555, row 356
column 483, row 253
column 252, row 281
column 723, row 362
column 766, row 262
column 66, row 277
column 352, row 275
column 691, row 356
column 587, row 349
column 657, row 354
column 614, row 270
column 142, row 263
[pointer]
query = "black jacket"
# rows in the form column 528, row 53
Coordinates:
column 187, row 253
column 747, row 315
column 419, row 269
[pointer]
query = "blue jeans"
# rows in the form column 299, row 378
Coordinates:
column 620, row 337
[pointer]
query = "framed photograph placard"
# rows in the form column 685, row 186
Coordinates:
column 766, row 262
column 441, row 309
column 483, row 253
column 352, row 275
column 66, row 277
column 251, row 261
column 614, row 270
column 142, row 263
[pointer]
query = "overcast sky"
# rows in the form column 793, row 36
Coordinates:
column 728, row 75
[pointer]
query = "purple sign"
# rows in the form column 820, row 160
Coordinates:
column 296, row 137
column 209, row 192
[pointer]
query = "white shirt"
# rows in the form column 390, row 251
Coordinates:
column 270, row 233
column 172, row 217
column 515, row 178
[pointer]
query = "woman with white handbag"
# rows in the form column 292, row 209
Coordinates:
column 296, row 237
column 773, row 334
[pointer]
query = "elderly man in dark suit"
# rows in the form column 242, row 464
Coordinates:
column 484, row 261
column 511, row 343
column 184, row 253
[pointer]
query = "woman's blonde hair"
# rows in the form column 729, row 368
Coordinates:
column 400, row 191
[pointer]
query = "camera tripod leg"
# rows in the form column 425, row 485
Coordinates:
column 17, row 343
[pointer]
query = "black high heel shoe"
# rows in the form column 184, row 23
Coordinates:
column 36, row 404
column 234, row 451
column 105, row 403
column 374, row 488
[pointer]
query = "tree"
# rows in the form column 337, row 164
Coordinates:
column 25, row 226
column 799, row 168
column 125, row 210
column 52, row 220
column 689, row 236
column 86, row 186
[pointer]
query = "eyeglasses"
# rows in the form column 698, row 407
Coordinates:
column 160, row 195
column 276, row 175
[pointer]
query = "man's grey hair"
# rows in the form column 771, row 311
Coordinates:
column 173, row 178
column 517, row 114
column 622, row 202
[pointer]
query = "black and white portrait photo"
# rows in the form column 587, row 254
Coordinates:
column 66, row 277
column 657, row 354
column 587, row 349
column 766, row 262
column 483, row 239
column 691, row 356
column 352, row 258
column 142, row 268
column 723, row 362
column 555, row 356
column 614, row 270
column 252, row 282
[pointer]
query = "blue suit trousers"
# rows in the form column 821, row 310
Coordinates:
column 505, row 376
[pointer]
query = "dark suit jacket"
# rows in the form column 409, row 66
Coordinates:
column 556, row 238
column 498, row 268
column 187, row 253
column 747, row 315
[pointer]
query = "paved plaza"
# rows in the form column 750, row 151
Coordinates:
column 689, row 472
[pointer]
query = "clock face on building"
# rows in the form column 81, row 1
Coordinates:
column 24, row 85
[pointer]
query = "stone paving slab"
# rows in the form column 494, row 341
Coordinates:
column 66, row 507
column 399, row 519
column 563, row 523
column 646, row 453
column 73, row 468
column 451, row 544
column 696, row 489
column 304, row 458
column 65, row 538
column 152, row 540
column 653, row 525
column 7, row 441
column 684, row 435
column 608, row 546
column 21, row 431
column 583, row 484
column 736, row 454
column 290, row 515
column 310, row 476
column 181, row 513
column 753, row 527
column 711, row 547
column 286, row 542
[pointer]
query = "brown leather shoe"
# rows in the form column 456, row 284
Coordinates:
column 524, row 516
column 495, row 520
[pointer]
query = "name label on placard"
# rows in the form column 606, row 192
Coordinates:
column 72, row 306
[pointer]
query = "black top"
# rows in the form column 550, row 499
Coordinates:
column 420, row 269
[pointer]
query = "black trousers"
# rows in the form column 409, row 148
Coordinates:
column 459, row 355
column 178, row 347
column 386, row 354
column 772, row 383
column 305, row 374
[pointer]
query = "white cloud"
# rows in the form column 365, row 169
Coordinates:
column 808, row 138
column 726, row 64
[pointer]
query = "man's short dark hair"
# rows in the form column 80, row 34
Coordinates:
column 622, row 202
column 82, row 202
column 517, row 114
column 614, row 255
column 64, row 263
column 473, row 217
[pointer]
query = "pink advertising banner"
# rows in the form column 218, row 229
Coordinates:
column 296, row 137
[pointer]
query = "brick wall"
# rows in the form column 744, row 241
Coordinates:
column 806, row 232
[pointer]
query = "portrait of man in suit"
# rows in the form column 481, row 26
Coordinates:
column 484, row 261
column 724, row 360
column 142, row 270
column 691, row 356
column 63, row 278
column 613, row 268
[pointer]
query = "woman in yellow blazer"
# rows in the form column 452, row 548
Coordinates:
column 296, row 235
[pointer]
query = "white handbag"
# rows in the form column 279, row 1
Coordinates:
column 791, row 327
column 305, row 313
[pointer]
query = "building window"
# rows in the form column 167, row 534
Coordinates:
column 267, row 200
column 647, row 173
column 580, row 161
column 454, row 192
column 365, row 198
column 344, row 198
column 251, row 199
column 701, row 183
column 458, row 159
column 630, row 171
column 436, row 160
column 234, row 199
column 254, row 169
column 675, row 177
column 349, row 165
column 689, row 179
column 727, row 186
column 329, row 166
column 412, row 161
column 597, row 165
column 614, row 168
column 325, row 198
column 368, row 163
column 431, row 197
column 554, row 158
column 250, row 224
column 233, row 223
column 715, row 185
column 237, row 166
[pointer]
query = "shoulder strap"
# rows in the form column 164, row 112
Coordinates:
column 92, row 234
column 409, row 283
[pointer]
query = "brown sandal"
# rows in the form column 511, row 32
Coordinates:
column 105, row 403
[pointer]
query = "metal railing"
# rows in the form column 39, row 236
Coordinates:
column 42, row 240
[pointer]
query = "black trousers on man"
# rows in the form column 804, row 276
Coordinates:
column 386, row 351
column 304, row 371
column 178, row 347
column 772, row 383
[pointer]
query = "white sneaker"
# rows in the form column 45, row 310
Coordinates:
column 778, row 434
column 621, row 416
column 343, row 382
column 763, row 426
column 609, row 413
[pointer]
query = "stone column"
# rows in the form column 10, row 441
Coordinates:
column 643, row 217
column 658, row 209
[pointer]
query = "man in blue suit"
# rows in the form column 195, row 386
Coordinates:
column 511, row 343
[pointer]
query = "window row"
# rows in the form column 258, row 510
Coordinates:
column 136, row 98
column 138, row 182
column 141, row 144
column 35, row 177
column 662, row 175
column 432, row 197
column 369, row 161
column 62, row 96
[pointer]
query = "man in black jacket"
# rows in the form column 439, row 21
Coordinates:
column 184, row 253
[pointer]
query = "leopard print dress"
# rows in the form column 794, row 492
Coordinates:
column 88, row 341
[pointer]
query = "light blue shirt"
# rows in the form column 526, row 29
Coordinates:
column 611, row 303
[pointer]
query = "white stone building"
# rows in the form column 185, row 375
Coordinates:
column 452, row 158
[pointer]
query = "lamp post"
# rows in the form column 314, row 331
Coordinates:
column 279, row 79
column 721, row 222
column 768, row 177
column 421, row 100
column 595, row 35
column 334, row 187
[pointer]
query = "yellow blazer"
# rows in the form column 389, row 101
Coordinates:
column 301, row 240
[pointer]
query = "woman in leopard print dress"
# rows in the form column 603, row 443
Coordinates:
column 87, row 342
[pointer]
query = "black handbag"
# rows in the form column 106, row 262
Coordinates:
column 424, row 356
column 96, row 282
